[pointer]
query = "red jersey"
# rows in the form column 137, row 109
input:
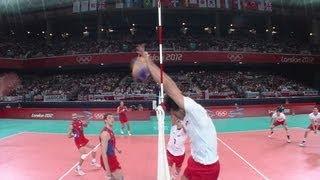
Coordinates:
column 110, row 152
column 111, row 145
column 123, row 114
column 77, row 130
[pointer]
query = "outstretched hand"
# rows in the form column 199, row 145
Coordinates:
column 141, row 50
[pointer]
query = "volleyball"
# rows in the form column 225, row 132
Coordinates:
column 140, row 71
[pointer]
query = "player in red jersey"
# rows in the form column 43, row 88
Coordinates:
column 108, row 159
column 122, row 111
column 76, row 131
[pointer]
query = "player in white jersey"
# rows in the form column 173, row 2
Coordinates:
column 278, row 118
column 314, row 124
column 204, row 161
column 175, row 148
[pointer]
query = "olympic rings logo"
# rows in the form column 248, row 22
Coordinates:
column 98, row 115
column 84, row 59
column 235, row 57
column 221, row 113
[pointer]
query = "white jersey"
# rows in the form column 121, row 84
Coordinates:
column 279, row 118
column 176, row 141
column 315, row 118
column 201, row 132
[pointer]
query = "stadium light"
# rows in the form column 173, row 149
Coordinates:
column 28, row 32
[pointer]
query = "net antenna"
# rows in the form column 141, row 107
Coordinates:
column 163, row 168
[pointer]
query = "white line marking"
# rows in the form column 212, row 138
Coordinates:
column 10, row 136
column 244, row 160
column 118, row 135
column 258, row 130
column 66, row 173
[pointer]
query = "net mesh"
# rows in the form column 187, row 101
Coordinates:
column 163, row 168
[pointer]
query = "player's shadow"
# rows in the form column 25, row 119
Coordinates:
column 93, row 170
column 313, row 159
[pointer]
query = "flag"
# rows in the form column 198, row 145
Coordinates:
column 119, row 4
column 193, row 3
column 175, row 3
column 236, row 4
column 138, row 3
column 93, row 5
column 102, row 5
column 202, row 3
column 84, row 6
column 147, row 3
column 111, row 3
column 224, row 4
column 261, row 5
column 211, row 3
column 227, row 4
column 250, row 5
column 268, row 5
column 128, row 3
column 76, row 6
column 184, row 3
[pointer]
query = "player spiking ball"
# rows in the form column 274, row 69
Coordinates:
column 204, row 161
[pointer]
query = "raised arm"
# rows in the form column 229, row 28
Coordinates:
column 69, row 133
column 169, row 85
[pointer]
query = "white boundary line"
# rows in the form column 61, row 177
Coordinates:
column 118, row 135
column 258, row 130
column 150, row 135
column 244, row 160
column 66, row 173
column 10, row 136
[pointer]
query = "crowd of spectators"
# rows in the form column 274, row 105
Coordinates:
column 202, row 84
column 38, row 46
